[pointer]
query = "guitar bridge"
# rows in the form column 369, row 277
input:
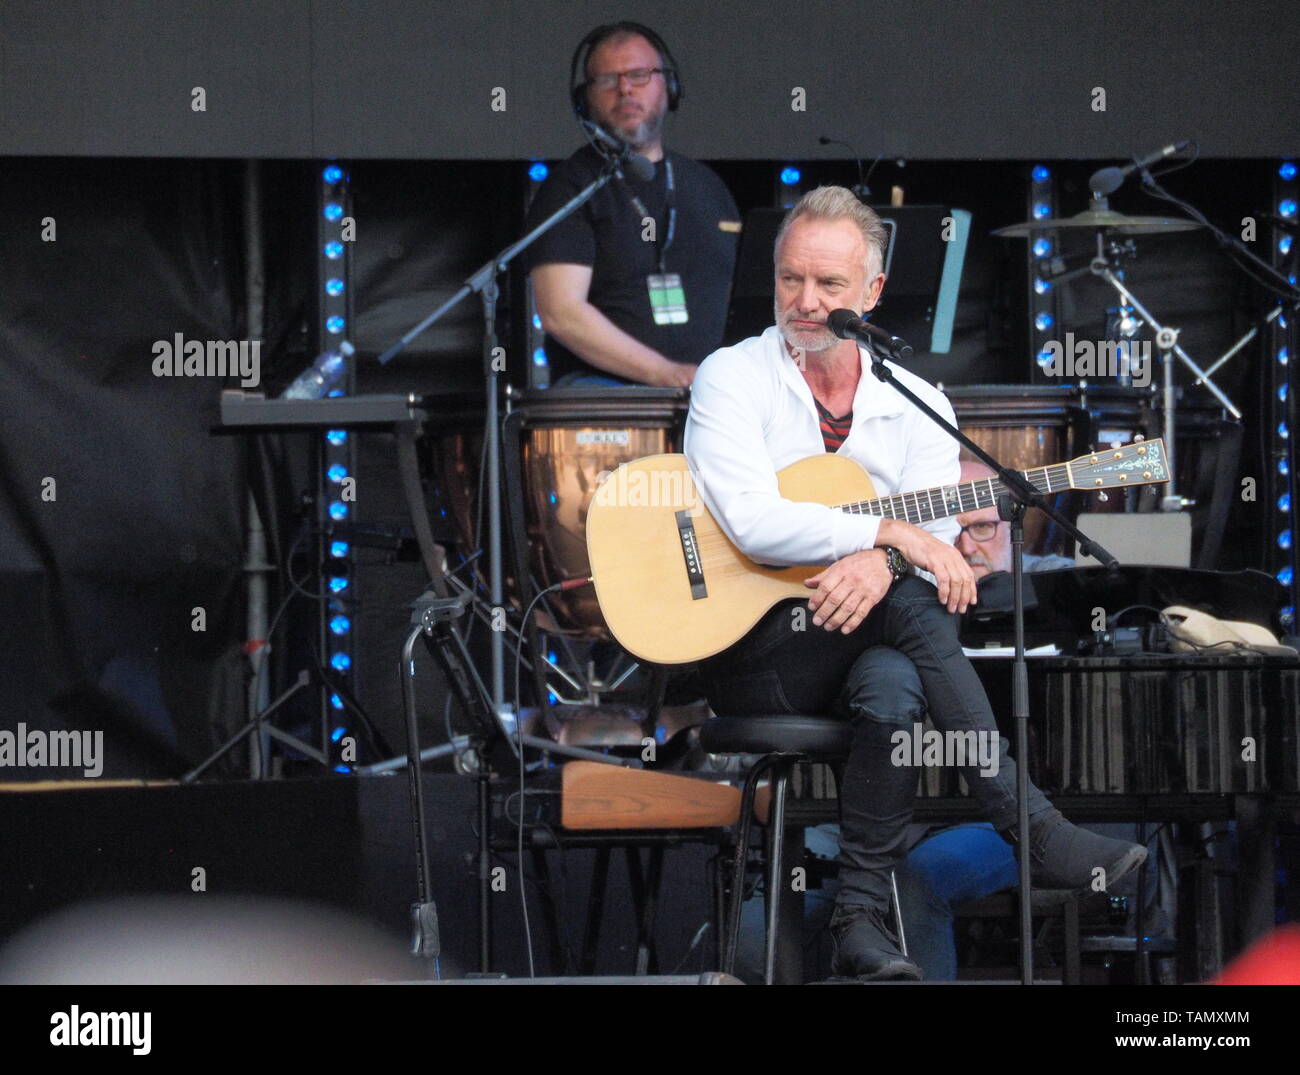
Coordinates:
column 691, row 555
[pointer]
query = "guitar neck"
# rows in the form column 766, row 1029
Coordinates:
column 925, row 505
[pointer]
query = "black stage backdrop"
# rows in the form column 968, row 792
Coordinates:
column 425, row 79
column 98, row 586
column 101, row 580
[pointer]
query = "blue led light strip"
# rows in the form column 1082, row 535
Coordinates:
column 334, row 318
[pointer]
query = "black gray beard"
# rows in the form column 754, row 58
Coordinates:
column 643, row 133
column 825, row 343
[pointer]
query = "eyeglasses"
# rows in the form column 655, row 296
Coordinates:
column 638, row 76
column 981, row 531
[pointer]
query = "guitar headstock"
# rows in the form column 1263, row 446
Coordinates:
column 1141, row 463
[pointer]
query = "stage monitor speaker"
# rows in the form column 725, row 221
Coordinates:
column 1157, row 539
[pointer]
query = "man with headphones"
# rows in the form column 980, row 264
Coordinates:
column 633, row 287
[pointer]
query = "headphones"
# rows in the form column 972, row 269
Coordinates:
column 578, row 66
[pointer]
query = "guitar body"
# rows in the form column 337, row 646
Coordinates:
column 640, row 556
column 674, row 589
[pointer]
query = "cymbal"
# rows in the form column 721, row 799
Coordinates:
column 1099, row 220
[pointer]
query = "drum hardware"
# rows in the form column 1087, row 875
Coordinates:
column 1121, row 328
column 1099, row 217
column 482, row 610
column 552, row 437
column 483, row 282
column 569, row 689
column 1166, row 342
column 261, row 725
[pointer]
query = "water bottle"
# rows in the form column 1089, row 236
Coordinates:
column 318, row 378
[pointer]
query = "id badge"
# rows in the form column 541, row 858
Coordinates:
column 667, row 298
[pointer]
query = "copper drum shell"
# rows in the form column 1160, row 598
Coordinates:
column 459, row 460
column 454, row 465
column 571, row 440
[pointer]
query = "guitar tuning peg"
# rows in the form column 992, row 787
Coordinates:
column 1103, row 497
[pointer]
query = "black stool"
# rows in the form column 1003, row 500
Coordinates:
column 783, row 741
column 1143, row 956
column 1045, row 903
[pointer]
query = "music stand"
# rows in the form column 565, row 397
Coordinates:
column 923, row 270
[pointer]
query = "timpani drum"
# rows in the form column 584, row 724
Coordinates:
column 567, row 441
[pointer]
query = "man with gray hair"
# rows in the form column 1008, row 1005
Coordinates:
column 793, row 392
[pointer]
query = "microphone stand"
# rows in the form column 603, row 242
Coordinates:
column 436, row 616
column 484, row 283
column 1017, row 495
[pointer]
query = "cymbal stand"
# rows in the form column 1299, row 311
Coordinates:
column 1166, row 340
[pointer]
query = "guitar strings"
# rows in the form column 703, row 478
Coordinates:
column 1055, row 474
column 923, row 509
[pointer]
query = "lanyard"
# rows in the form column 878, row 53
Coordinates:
column 661, row 249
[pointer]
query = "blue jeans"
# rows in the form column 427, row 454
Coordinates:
column 953, row 866
column 903, row 659
column 967, row 862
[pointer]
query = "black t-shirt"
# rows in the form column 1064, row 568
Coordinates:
column 606, row 234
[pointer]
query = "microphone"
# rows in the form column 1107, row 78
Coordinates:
column 861, row 190
column 641, row 169
column 1108, row 180
column 846, row 324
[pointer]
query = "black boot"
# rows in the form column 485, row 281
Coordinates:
column 1062, row 855
column 866, row 947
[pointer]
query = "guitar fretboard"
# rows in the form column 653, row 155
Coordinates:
column 925, row 505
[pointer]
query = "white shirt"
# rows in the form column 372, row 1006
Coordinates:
column 752, row 414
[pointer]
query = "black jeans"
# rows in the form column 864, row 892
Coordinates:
column 904, row 658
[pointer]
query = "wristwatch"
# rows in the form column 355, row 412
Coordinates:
column 896, row 562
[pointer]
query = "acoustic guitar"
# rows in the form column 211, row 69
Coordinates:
column 673, row 588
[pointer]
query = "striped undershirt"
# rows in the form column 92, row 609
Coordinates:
column 834, row 430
